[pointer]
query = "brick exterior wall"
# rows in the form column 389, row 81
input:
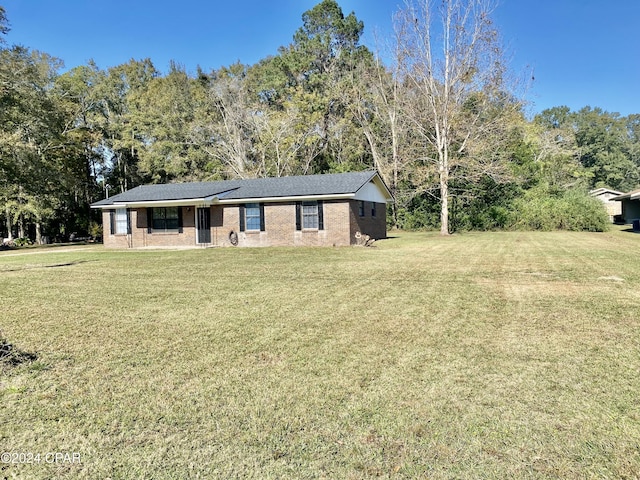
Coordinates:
column 341, row 222
column 368, row 224
column 140, row 236
column 280, row 226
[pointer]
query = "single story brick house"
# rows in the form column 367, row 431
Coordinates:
column 322, row 210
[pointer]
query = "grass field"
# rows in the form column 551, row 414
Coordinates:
column 490, row 355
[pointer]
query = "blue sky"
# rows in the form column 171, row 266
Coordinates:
column 581, row 52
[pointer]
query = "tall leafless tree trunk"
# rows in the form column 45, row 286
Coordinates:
column 375, row 104
column 451, row 64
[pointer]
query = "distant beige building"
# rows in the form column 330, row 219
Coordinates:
column 630, row 206
column 606, row 195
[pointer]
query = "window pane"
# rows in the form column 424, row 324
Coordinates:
column 310, row 215
column 172, row 213
column 171, row 224
column 121, row 221
column 158, row 219
column 165, row 218
column 310, row 209
column 252, row 216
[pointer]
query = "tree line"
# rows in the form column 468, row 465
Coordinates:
column 439, row 118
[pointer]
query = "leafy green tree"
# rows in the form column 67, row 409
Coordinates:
column 557, row 154
column 327, row 41
column 591, row 147
column 32, row 143
column 309, row 78
column 124, row 91
column 77, row 94
column 633, row 146
column 4, row 24
column 167, row 115
column 604, row 143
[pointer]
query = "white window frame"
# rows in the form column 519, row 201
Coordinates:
column 310, row 216
column 251, row 216
column 121, row 223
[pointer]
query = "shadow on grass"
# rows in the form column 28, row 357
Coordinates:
column 69, row 264
column 47, row 246
column 12, row 357
column 630, row 230
column 53, row 265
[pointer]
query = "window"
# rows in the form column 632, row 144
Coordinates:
column 121, row 221
column 165, row 218
column 309, row 215
column 252, row 216
column 373, row 209
column 361, row 208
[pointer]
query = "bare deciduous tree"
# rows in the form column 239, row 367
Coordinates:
column 456, row 97
column 286, row 145
column 375, row 103
column 232, row 135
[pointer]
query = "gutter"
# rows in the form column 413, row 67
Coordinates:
column 208, row 201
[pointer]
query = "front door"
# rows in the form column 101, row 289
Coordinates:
column 204, row 225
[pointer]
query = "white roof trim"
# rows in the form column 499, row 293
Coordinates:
column 184, row 202
column 382, row 187
column 286, row 199
column 598, row 191
column 205, row 202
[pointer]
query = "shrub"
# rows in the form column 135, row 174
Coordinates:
column 422, row 213
column 574, row 210
column 22, row 242
column 95, row 231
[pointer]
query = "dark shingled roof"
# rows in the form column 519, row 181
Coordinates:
column 272, row 187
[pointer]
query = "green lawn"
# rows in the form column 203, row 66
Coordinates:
column 488, row 355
